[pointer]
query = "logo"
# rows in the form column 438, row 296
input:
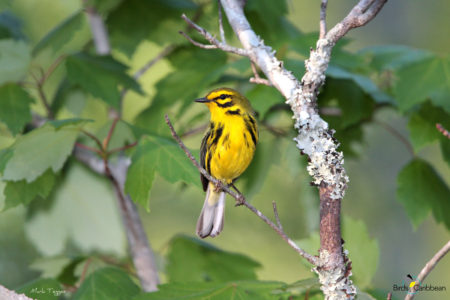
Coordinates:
column 412, row 285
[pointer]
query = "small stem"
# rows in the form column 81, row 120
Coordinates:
column 86, row 147
column 52, row 68
column 397, row 134
column 94, row 138
column 221, row 30
column 277, row 217
column 442, row 130
column 323, row 17
column 85, row 269
column 110, row 133
column 123, row 148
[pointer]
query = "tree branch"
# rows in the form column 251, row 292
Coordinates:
column 429, row 266
column 11, row 295
column 323, row 17
column 314, row 138
column 141, row 252
column 215, row 44
column 442, row 130
column 240, row 200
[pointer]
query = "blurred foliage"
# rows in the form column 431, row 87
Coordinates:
column 71, row 219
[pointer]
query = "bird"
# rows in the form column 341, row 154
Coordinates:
column 226, row 151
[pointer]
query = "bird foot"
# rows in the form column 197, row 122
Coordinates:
column 218, row 186
column 240, row 200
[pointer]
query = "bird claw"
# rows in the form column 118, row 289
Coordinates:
column 218, row 186
column 240, row 200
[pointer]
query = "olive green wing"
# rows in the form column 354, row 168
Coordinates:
column 203, row 150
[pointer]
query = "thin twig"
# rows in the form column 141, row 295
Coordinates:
column 123, row 148
column 110, row 133
column 398, row 135
column 84, row 272
column 94, row 138
column 241, row 199
column 277, row 217
column 323, row 19
column 429, row 266
column 442, row 130
column 221, row 30
column 196, row 130
column 257, row 79
column 52, row 68
column 86, row 147
column 215, row 44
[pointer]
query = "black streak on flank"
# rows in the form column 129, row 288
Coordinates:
column 226, row 104
column 208, row 162
column 217, row 135
column 251, row 130
column 234, row 112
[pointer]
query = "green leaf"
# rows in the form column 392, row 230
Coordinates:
column 158, row 21
column 50, row 267
column 159, row 154
column 5, row 155
column 43, row 289
column 100, row 76
column 190, row 259
column 14, row 107
column 84, row 195
column 363, row 82
column 445, row 149
column 43, row 148
column 267, row 154
column 194, row 71
column 422, row 125
column 10, row 26
column 14, row 60
column 256, row 290
column 422, row 80
column 107, row 284
column 392, row 57
column 61, row 34
column 263, row 98
column 420, row 189
column 21, row 192
column 355, row 104
column 363, row 251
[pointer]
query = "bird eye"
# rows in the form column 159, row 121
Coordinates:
column 223, row 96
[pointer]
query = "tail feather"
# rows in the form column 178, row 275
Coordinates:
column 210, row 222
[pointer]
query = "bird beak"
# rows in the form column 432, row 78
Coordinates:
column 202, row 100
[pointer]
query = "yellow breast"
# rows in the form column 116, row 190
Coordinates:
column 234, row 151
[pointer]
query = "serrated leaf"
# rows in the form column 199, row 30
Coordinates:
column 107, row 284
column 101, row 76
column 422, row 125
column 157, row 20
column 354, row 103
column 14, row 107
column 267, row 154
column 61, row 34
column 14, row 60
column 190, row 259
column 193, row 68
column 263, row 97
column 42, row 289
column 363, row 251
column 84, row 195
column 420, row 189
column 392, row 57
column 43, row 148
column 21, row 192
column 10, row 26
column 157, row 154
column 422, row 80
column 363, row 82
column 256, row 290
column 50, row 267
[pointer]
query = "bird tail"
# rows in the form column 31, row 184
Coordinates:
column 210, row 222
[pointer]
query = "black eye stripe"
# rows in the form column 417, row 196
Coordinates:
column 233, row 112
column 222, row 97
column 226, row 104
